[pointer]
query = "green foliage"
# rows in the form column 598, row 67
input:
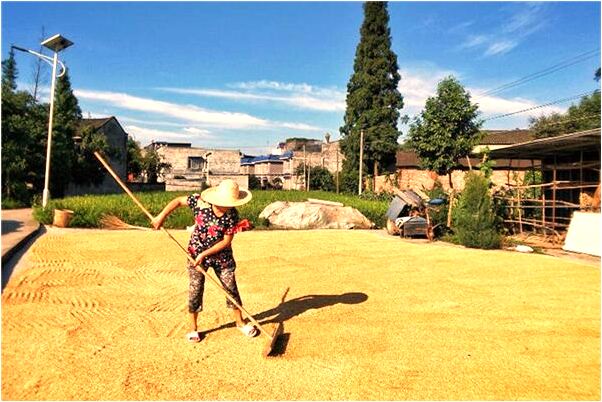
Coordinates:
column 67, row 116
column 86, row 169
column 134, row 157
column 348, row 180
column 89, row 209
column 373, row 99
column 473, row 217
column 254, row 182
column 438, row 214
column 447, row 128
column 486, row 166
column 319, row 178
column 9, row 73
column 23, row 139
column 153, row 165
column 580, row 117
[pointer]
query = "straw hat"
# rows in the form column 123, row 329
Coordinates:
column 226, row 194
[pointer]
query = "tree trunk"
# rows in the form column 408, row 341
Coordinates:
column 451, row 199
column 375, row 175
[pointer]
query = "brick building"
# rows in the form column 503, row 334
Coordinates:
column 192, row 167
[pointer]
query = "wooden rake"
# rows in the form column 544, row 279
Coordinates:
column 276, row 328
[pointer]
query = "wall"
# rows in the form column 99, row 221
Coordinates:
column 414, row 178
column 221, row 164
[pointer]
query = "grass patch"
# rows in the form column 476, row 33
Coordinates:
column 89, row 209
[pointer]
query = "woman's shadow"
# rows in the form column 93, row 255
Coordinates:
column 288, row 309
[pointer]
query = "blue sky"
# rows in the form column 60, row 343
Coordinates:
column 247, row 74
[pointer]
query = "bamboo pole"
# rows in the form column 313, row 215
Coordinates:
column 520, row 223
column 554, row 192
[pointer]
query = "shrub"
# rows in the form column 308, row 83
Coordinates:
column 254, row 182
column 473, row 217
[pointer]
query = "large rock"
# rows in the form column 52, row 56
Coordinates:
column 312, row 215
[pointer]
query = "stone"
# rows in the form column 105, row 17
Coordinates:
column 308, row 215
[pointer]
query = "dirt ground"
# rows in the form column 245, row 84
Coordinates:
column 101, row 315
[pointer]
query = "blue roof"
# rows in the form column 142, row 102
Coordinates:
column 250, row 160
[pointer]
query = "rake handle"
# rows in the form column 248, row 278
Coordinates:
column 206, row 274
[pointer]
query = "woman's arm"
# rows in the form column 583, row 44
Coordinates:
column 157, row 221
column 216, row 248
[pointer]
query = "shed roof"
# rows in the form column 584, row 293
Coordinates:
column 544, row 147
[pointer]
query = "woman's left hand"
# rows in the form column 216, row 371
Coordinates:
column 199, row 262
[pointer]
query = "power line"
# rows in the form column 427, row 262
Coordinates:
column 544, row 105
column 570, row 120
column 538, row 74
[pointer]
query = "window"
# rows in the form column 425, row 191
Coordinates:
column 195, row 163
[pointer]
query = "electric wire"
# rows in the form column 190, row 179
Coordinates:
column 541, row 106
column 538, row 74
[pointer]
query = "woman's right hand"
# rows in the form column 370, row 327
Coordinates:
column 157, row 222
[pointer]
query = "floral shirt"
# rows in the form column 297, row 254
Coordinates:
column 210, row 229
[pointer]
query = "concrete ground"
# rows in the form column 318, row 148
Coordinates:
column 97, row 314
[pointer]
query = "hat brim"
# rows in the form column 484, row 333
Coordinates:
column 210, row 195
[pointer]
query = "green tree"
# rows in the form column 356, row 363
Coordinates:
column 373, row 100
column 23, row 128
column 86, row 169
column 67, row 117
column 583, row 116
column 319, row 178
column 447, row 129
column 134, row 157
column 9, row 73
column 153, row 165
column 474, row 218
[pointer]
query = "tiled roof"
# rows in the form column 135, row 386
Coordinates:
column 95, row 123
column 408, row 159
column 506, row 137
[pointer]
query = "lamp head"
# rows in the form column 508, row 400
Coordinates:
column 57, row 43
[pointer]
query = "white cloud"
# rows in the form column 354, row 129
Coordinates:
column 145, row 135
column 301, row 96
column 509, row 34
column 189, row 113
column 500, row 47
column 474, row 40
column 419, row 84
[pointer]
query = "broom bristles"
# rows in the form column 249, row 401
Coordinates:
column 112, row 222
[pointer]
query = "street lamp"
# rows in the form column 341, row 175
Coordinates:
column 55, row 43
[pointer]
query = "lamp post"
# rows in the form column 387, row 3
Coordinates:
column 55, row 43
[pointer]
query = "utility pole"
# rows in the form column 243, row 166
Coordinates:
column 308, row 173
column 361, row 168
column 304, row 167
column 337, row 171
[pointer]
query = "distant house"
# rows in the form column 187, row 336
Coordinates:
column 271, row 170
column 193, row 167
column 280, row 167
column 117, row 140
column 409, row 173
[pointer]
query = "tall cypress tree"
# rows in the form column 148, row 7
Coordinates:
column 67, row 116
column 9, row 73
column 373, row 100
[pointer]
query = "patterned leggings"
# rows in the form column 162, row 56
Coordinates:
column 197, row 286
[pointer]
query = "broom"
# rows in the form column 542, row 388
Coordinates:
column 112, row 222
column 276, row 329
